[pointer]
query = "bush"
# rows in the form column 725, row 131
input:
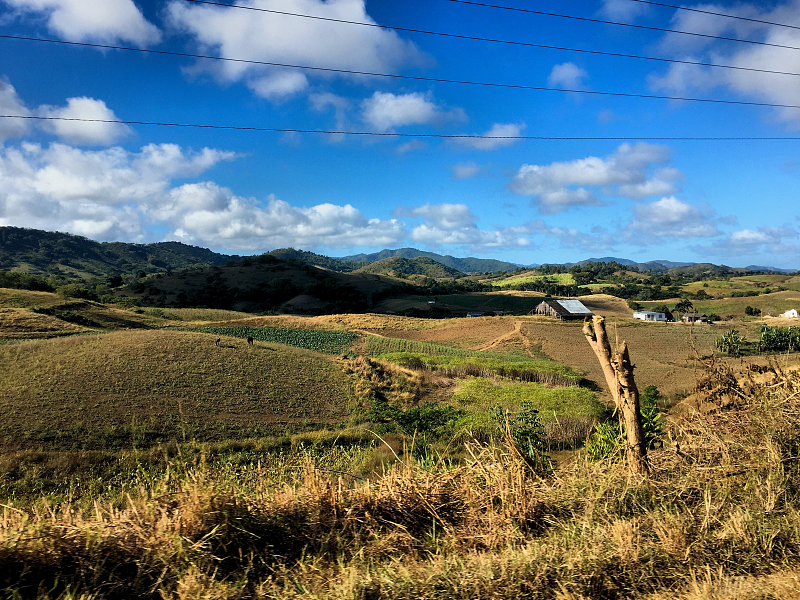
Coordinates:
column 526, row 432
column 607, row 440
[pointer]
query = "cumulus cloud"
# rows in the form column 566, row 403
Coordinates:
column 81, row 132
column 766, row 242
column 500, row 135
column 561, row 185
column 114, row 194
column 670, row 217
column 214, row 215
column 249, row 34
column 385, row 111
column 10, row 104
column 680, row 79
column 455, row 224
column 566, row 75
column 103, row 21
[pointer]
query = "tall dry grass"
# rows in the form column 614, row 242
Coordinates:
column 720, row 513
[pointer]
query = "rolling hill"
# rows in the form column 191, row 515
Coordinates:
column 463, row 265
column 422, row 265
column 157, row 385
column 75, row 257
column 266, row 283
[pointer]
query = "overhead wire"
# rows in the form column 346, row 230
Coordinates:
column 416, row 77
column 497, row 6
column 530, row 44
column 390, row 134
column 717, row 14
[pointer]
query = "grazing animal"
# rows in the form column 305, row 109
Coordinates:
column 250, row 340
column 218, row 341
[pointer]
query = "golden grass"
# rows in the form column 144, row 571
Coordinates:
column 20, row 323
column 85, row 391
column 718, row 518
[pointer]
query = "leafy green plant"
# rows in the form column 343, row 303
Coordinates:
column 608, row 438
column 730, row 342
column 526, row 432
column 326, row 342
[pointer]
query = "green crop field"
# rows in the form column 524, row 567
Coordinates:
column 457, row 362
column 552, row 403
column 557, row 278
column 327, row 342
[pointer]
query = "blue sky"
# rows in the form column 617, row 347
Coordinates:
column 522, row 200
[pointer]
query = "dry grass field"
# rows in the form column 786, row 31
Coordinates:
column 159, row 385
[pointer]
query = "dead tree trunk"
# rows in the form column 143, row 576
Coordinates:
column 618, row 372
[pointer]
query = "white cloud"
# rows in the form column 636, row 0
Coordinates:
column 214, row 215
column 385, row 111
column 454, row 224
column 670, row 217
column 254, row 35
column 81, row 132
column 114, row 194
column 466, row 170
column 766, row 243
column 622, row 10
column 500, row 135
column 560, row 185
column 104, row 21
column 566, row 75
column 10, row 104
column 763, row 87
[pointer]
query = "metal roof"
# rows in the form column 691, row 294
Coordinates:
column 574, row 307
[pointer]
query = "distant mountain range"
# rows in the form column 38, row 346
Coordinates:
column 75, row 257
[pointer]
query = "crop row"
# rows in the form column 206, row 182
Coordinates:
column 327, row 342
column 540, row 371
column 377, row 346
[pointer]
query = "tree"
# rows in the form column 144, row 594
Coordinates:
column 684, row 306
column 618, row 372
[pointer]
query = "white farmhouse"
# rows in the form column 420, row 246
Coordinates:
column 791, row 314
column 646, row 315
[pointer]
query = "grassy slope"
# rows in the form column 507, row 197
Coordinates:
column 158, row 384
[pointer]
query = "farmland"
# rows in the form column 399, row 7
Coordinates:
column 303, row 465
column 327, row 342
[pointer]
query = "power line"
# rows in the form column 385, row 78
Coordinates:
column 406, row 135
column 429, row 79
column 433, row 79
column 420, row 78
column 718, row 14
column 497, row 6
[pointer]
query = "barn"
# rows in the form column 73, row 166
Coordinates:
column 562, row 309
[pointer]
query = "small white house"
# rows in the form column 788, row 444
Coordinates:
column 791, row 314
column 646, row 315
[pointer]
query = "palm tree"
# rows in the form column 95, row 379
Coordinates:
column 684, row 306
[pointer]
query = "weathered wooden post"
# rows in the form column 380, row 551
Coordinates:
column 618, row 372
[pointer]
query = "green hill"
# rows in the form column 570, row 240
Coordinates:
column 421, row 265
column 464, row 265
column 311, row 258
column 75, row 257
column 266, row 283
column 128, row 387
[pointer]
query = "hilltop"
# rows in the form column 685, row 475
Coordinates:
column 462, row 265
column 400, row 267
column 71, row 256
column 267, row 283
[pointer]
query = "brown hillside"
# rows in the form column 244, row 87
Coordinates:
column 161, row 385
